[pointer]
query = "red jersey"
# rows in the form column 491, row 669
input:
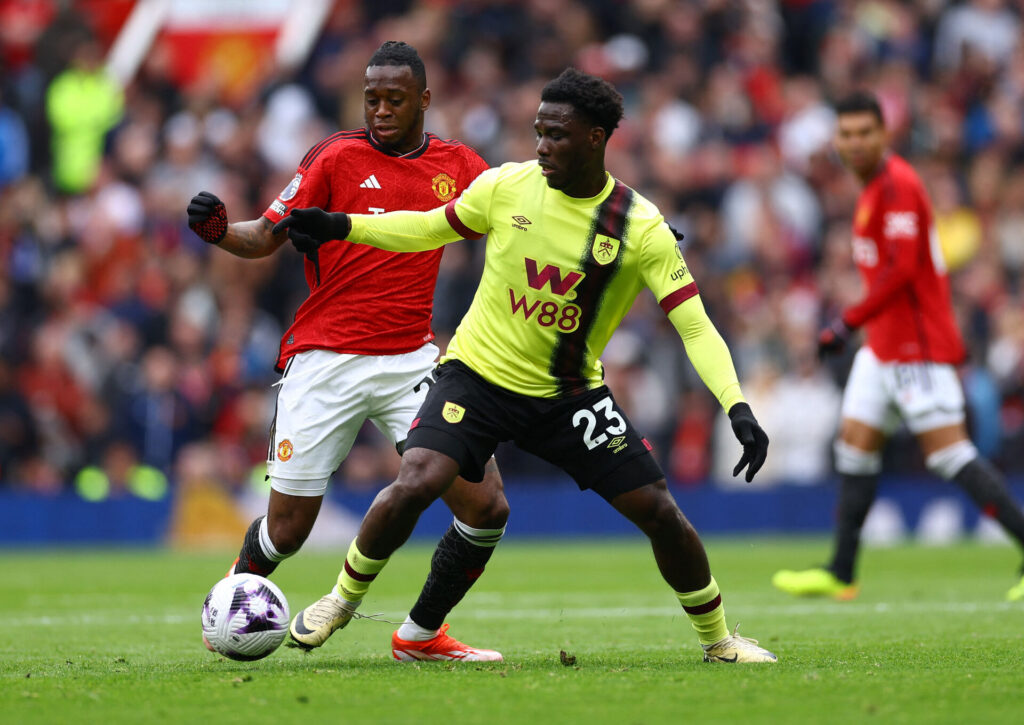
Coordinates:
column 907, row 313
column 368, row 301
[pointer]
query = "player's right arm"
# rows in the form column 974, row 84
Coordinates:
column 252, row 239
column 207, row 217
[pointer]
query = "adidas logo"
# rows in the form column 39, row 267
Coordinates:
column 370, row 183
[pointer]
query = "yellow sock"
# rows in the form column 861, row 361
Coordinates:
column 357, row 574
column 706, row 612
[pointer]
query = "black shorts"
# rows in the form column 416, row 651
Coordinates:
column 587, row 435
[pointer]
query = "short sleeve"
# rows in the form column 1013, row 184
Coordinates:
column 663, row 268
column 470, row 214
column 309, row 187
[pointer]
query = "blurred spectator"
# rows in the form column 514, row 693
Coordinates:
column 986, row 27
column 157, row 417
column 18, row 439
column 83, row 104
column 13, row 145
column 120, row 474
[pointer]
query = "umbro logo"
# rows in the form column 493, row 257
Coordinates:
column 370, row 183
column 519, row 221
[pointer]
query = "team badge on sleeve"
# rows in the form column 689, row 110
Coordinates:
column 443, row 186
column 605, row 249
column 292, row 189
column 452, row 412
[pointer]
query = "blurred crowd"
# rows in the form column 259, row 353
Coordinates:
column 128, row 344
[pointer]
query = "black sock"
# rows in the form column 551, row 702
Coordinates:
column 856, row 494
column 987, row 487
column 251, row 559
column 456, row 565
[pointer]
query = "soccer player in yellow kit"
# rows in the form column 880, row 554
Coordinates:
column 569, row 248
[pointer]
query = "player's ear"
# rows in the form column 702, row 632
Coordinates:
column 597, row 137
column 425, row 99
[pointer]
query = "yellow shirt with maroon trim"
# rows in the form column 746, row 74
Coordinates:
column 560, row 274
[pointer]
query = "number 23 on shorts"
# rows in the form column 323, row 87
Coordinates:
column 601, row 419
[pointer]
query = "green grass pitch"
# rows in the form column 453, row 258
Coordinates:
column 113, row 637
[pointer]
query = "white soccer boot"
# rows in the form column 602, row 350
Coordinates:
column 312, row 626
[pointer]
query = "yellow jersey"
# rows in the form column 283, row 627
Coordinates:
column 559, row 275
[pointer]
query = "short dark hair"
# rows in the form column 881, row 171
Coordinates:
column 398, row 53
column 590, row 96
column 860, row 102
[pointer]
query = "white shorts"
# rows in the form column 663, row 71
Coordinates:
column 924, row 395
column 323, row 401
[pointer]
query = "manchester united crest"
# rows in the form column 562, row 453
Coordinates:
column 285, row 450
column 443, row 186
column 605, row 249
column 452, row 412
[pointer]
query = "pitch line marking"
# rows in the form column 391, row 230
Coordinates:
column 568, row 613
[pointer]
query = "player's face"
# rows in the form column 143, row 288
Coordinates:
column 393, row 105
column 569, row 150
column 860, row 141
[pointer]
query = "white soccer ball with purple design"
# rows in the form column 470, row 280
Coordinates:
column 245, row 617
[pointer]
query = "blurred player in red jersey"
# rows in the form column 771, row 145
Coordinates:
column 360, row 346
column 905, row 370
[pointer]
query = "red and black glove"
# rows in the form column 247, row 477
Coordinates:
column 207, row 217
column 833, row 338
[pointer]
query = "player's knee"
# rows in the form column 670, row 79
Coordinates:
column 424, row 476
column 491, row 513
column 947, row 462
column 662, row 517
column 856, row 462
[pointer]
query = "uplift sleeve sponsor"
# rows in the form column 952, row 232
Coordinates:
column 663, row 268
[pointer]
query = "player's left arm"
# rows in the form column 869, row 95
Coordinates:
column 666, row 274
column 707, row 350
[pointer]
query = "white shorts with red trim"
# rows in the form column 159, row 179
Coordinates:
column 925, row 395
column 323, row 401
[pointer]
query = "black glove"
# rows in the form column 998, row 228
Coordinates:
column 309, row 228
column 207, row 217
column 752, row 437
column 833, row 338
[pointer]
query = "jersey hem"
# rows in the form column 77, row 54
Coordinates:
column 906, row 359
column 590, row 384
column 364, row 352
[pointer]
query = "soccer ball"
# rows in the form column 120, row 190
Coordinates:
column 245, row 617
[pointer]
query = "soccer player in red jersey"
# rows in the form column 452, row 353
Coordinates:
column 360, row 345
column 905, row 370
